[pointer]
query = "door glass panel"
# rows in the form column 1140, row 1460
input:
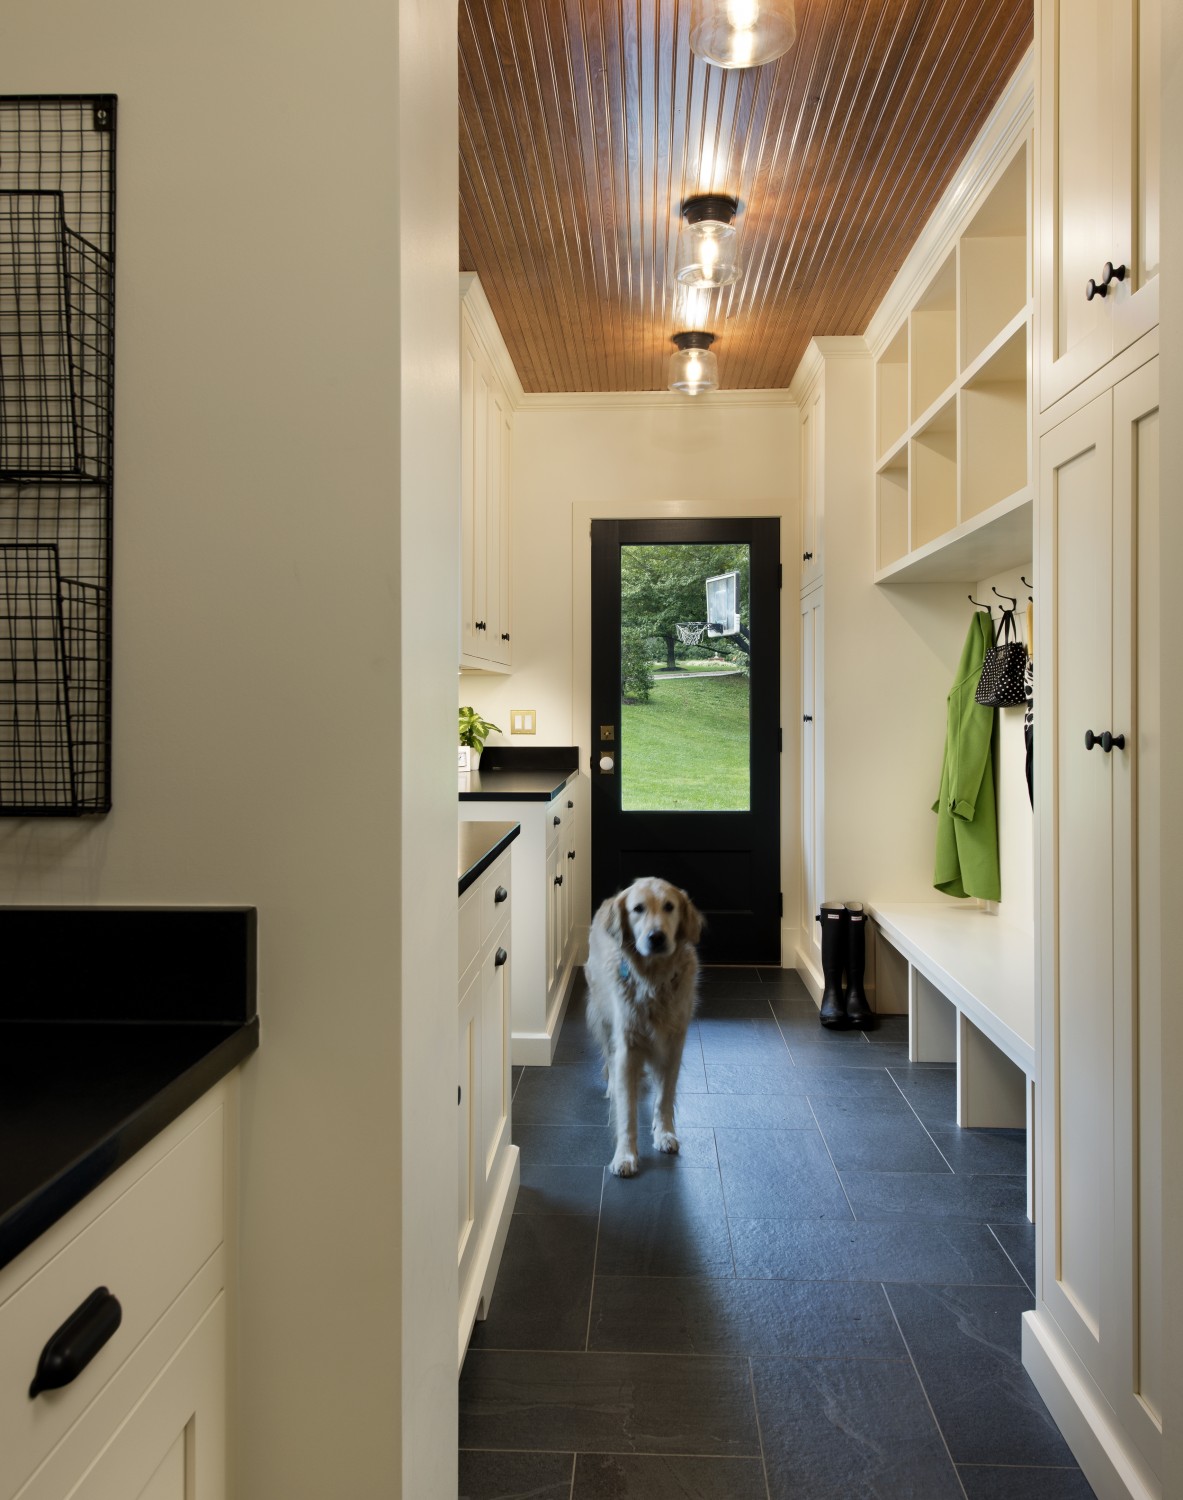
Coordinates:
column 685, row 657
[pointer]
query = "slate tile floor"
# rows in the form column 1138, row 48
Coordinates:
column 819, row 1298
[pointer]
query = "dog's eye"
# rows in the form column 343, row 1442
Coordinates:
column 669, row 906
column 639, row 907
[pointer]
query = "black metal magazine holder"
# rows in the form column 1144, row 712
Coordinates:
column 57, row 369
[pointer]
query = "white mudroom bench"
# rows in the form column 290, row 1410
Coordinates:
column 970, row 984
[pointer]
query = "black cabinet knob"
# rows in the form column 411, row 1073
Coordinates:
column 558, row 880
column 500, row 958
column 807, row 557
column 807, row 718
column 1109, row 275
column 505, row 635
column 72, row 1347
column 1106, row 740
column 570, row 804
column 558, row 820
column 570, row 853
column 480, row 625
column 500, row 895
column 459, row 1096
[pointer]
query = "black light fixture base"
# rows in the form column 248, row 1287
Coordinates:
column 695, row 339
column 720, row 208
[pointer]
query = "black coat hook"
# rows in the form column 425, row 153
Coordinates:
column 980, row 605
column 1027, row 584
column 1013, row 602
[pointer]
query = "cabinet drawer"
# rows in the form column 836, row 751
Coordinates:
column 556, row 817
column 495, row 905
column 144, row 1248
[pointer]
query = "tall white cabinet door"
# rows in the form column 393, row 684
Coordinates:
column 470, row 1177
column 1099, row 182
column 1136, row 1367
column 495, row 1066
column 1076, row 548
column 812, row 489
column 811, row 771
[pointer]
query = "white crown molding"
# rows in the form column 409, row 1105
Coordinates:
column 819, row 350
column 484, row 324
column 1008, row 123
column 606, row 400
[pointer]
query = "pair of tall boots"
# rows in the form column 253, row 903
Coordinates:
column 844, row 951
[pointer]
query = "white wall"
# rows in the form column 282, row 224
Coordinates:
column 585, row 457
column 286, row 425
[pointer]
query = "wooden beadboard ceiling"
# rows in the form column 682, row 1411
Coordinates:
column 584, row 124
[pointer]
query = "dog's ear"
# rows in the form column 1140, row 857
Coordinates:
column 621, row 928
column 691, row 919
column 613, row 915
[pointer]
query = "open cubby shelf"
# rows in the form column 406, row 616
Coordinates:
column 952, row 402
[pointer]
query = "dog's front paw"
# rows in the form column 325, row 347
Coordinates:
column 666, row 1140
column 624, row 1164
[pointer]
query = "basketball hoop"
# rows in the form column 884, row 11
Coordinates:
column 691, row 634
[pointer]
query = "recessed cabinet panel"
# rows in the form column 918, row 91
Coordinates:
column 1077, row 479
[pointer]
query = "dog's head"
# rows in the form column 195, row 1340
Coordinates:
column 653, row 918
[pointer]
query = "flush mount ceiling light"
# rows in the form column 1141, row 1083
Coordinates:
column 741, row 33
column 693, row 367
column 706, row 249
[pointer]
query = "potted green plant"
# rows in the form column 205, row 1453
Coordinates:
column 474, row 731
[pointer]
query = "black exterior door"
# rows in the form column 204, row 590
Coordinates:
column 685, row 679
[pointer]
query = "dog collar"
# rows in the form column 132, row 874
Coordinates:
column 624, row 969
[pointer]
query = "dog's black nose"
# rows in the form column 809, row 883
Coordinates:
column 656, row 939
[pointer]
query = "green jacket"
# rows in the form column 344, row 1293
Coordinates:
column 967, row 823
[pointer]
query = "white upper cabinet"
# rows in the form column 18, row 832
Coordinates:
column 1099, row 85
column 812, row 489
column 485, row 537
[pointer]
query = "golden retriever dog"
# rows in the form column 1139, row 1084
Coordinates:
column 642, row 978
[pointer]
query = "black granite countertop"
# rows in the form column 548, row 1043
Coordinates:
column 479, row 844
column 113, row 1021
column 536, row 773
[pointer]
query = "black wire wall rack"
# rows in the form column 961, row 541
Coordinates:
column 57, row 410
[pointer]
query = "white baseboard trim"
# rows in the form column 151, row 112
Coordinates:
column 499, row 1215
column 811, row 977
column 1088, row 1423
column 536, row 1049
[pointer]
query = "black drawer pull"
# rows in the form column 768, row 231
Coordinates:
column 500, row 895
column 505, row 635
column 502, row 957
column 807, row 557
column 807, row 718
column 558, row 880
column 570, row 804
column 1106, row 740
column 77, row 1341
column 570, row 853
column 558, row 820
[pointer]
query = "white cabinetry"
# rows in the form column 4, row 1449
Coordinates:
column 485, row 508
column 549, row 922
column 812, row 771
column 952, row 402
column 813, row 489
column 1097, row 1328
column 1100, row 93
column 488, row 1163
column 146, row 1417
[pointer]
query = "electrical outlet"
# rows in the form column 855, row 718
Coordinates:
column 523, row 721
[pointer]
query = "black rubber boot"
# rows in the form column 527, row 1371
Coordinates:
column 858, row 1011
column 834, row 925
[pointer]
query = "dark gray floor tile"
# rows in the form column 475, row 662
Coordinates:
column 740, row 1040
column 733, row 1002
column 800, row 1020
column 984, row 1152
column 964, row 1342
column 664, row 1222
column 543, row 1289
column 1018, row 1240
column 575, row 1043
column 563, row 1094
column 1024, row 1484
column 566, row 1145
column 747, row 1111
column 944, row 1251
column 820, row 1053
column 779, row 1174
column 559, row 1188
column 616, row 1476
column 849, row 1430
column 786, row 1078
column 880, row 1135
column 890, row 1029
column 931, row 1090
column 515, row 1075
column 607, row 1403
column 692, row 1079
column 785, row 981
column 934, row 1195
column 705, row 1315
column 515, row 1476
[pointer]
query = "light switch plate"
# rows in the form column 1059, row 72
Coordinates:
column 523, row 721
